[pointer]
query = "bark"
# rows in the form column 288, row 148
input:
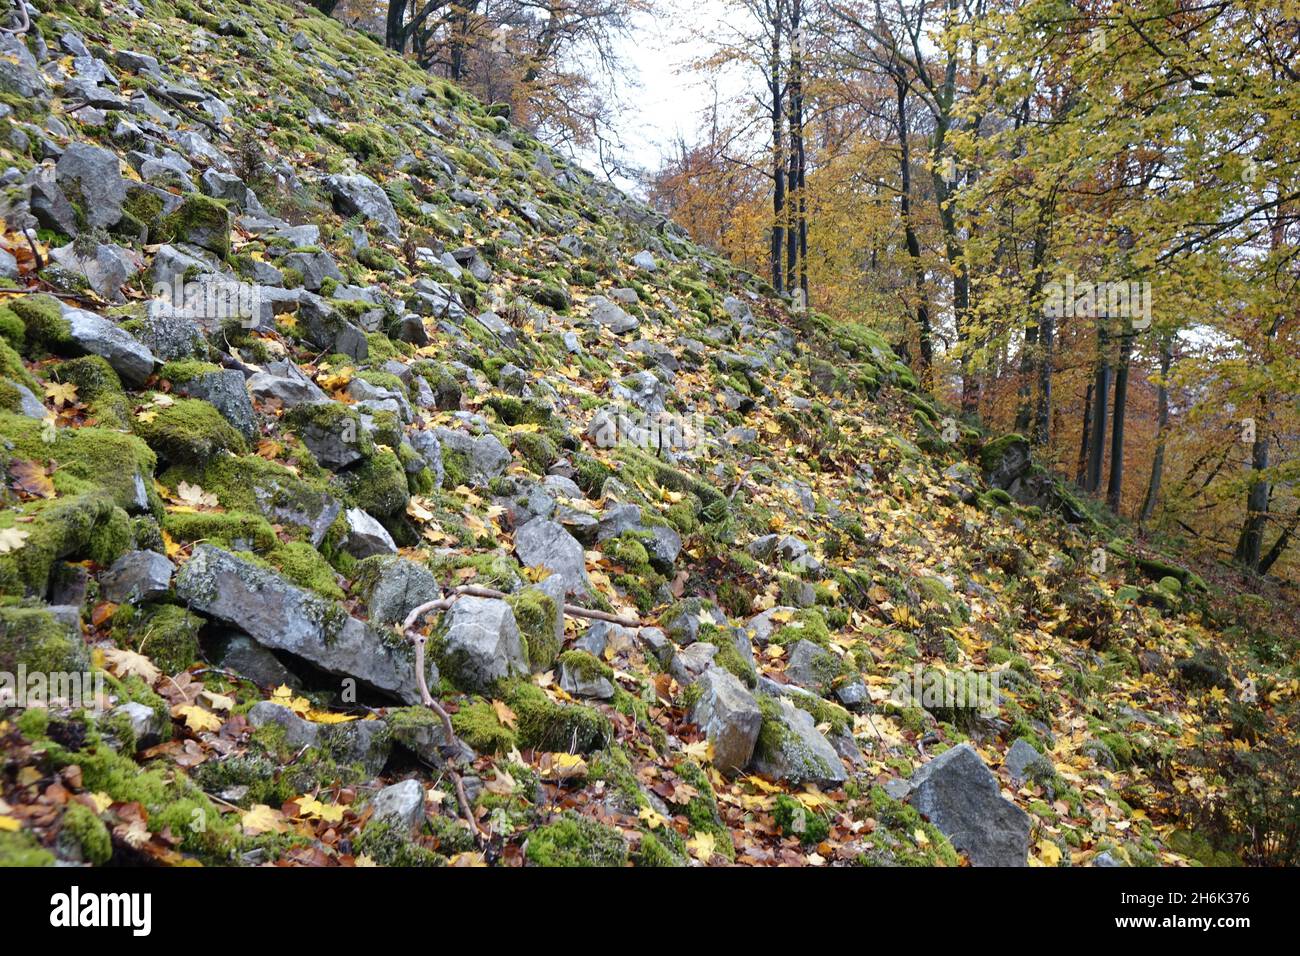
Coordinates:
column 1100, row 395
column 1115, row 488
column 1162, row 425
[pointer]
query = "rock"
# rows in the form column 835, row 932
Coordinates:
column 284, row 500
column 225, row 391
column 611, row 315
column 811, row 667
column 360, row 195
column 146, row 724
column 761, row 627
column 363, row 742
column 481, row 644
column 137, row 577
column 689, row 663
column 28, row 403
column 645, row 260
column 314, row 267
column 285, row 382
column 235, row 651
column 791, row 748
column 1023, row 762
column 232, row 189
column 366, row 536
column 644, row 391
column 48, row 204
column 105, row 270
column 284, row 617
column 426, row 443
column 8, row 265
column 20, row 75
column 479, row 459
column 91, row 178
column 546, row 544
column 402, row 805
column 129, row 357
column 594, row 686
column 1105, row 858
column 656, row 646
column 401, row 586
column 729, row 717
column 958, row 794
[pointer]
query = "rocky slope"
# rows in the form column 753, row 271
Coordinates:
column 295, row 339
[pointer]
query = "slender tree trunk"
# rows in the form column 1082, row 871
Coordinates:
column 1115, row 489
column 1251, row 541
column 1279, row 546
column 1162, row 425
column 924, row 334
column 1043, row 411
column 778, row 149
column 1081, row 472
column 1100, row 395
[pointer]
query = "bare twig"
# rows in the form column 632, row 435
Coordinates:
column 25, row 22
column 419, row 640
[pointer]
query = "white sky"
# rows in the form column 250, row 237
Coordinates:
column 660, row 96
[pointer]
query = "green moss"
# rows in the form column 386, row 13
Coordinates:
column 576, row 841
column 587, row 666
column 34, row 638
column 43, row 321
column 166, row 634
column 797, row 821
column 305, row 566
column 232, row 530
column 200, row 220
column 729, row 656
column 82, row 526
column 98, row 387
column 388, row 845
column 477, row 724
column 86, row 459
column 894, row 841
column 702, row 810
column 87, row 832
column 546, row 725
column 20, row 848
column 537, row 617
column 378, row 484
column 188, row 431
column 804, row 625
column 1119, row 746
column 186, row 370
column 654, row 853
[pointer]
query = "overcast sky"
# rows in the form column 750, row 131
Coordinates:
column 661, row 98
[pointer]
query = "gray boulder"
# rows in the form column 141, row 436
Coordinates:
column 360, row 195
column 285, row 382
column 238, row 652
column 400, row 586
column 136, row 577
column 480, row 459
column 401, row 804
column 791, row 748
column 481, row 644
column 366, row 536
column 958, row 794
column 224, row 390
column 729, row 717
column 91, row 177
column 129, row 357
column 545, row 544
column 611, row 315
column 285, row 617
column 363, row 742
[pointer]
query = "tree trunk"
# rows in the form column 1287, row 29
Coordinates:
column 1251, row 541
column 1100, row 394
column 1081, row 472
column 1162, row 424
column 778, row 149
column 1115, row 489
column 924, row 334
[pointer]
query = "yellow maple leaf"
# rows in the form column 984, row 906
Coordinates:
column 9, row 825
column 702, row 846
column 311, row 807
column 124, row 663
column 197, row 719
column 262, row 819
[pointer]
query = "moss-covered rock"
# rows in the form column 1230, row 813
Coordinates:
column 573, row 840
column 187, row 431
column 165, row 633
